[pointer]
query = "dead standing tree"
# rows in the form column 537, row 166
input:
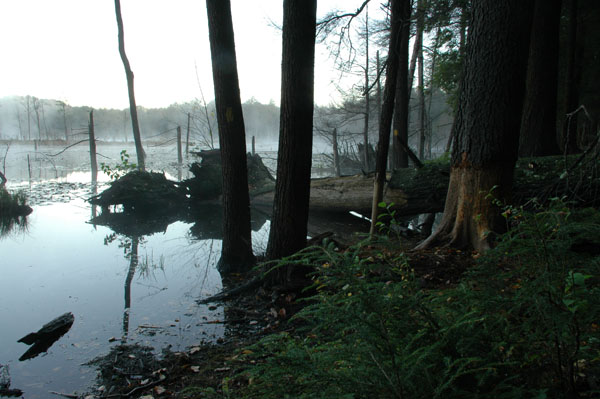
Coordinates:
column 132, row 106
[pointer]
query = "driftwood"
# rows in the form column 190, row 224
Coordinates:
column 47, row 335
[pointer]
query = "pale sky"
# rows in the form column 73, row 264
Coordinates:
column 68, row 50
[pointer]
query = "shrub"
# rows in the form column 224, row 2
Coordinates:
column 523, row 323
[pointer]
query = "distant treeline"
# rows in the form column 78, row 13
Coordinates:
column 31, row 118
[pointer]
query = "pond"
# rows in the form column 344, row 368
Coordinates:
column 59, row 262
column 135, row 282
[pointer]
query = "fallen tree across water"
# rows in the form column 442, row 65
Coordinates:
column 413, row 191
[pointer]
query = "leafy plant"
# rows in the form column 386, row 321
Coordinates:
column 119, row 169
column 387, row 223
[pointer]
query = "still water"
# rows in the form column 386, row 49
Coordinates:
column 60, row 262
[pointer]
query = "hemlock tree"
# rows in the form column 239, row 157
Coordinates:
column 132, row 106
column 237, row 242
column 292, row 189
column 488, row 121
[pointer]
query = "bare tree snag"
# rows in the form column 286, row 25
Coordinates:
column 139, row 149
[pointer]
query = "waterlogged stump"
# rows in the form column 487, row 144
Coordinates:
column 142, row 192
column 207, row 182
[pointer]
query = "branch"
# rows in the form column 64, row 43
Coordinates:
column 66, row 148
column 335, row 17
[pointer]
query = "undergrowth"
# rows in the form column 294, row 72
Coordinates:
column 524, row 323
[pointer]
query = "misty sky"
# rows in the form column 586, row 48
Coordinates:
column 68, row 50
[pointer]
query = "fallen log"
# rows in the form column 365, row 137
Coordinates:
column 413, row 191
column 423, row 190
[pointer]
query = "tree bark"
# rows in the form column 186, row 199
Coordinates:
column 400, row 124
column 237, row 243
column 488, row 121
column 139, row 149
column 292, row 190
column 387, row 107
column 421, row 77
column 538, row 125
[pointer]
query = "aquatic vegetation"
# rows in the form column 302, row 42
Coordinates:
column 13, row 211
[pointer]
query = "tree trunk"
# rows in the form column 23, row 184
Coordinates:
column 387, row 108
column 139, row 149
column 400, row 125
column 290, row 208
column 538, row 125
column 179, row 152
column 367, row 98
column 92, row 138
column 421, row 77
column 487, row 127
column 336, row 154
column 187, row 136
column 237, row 242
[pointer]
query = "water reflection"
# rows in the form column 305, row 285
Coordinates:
column 133, row 263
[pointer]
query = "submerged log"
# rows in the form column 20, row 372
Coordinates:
column 50, row 332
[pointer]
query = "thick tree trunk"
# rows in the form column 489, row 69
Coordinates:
column 387, row 108
column 400, row 124
column 538, row 125
column 488, row 121
column 139, row 149
column 237, row 243
column 421, row 78
column 290, row 208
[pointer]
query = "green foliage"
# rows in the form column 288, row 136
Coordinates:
column 119, row 169
column 447, row 75
column 523, row 323
column 387, row 223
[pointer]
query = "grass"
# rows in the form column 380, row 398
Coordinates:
column 13, row 208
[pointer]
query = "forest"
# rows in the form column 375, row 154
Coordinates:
column 482, row 114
